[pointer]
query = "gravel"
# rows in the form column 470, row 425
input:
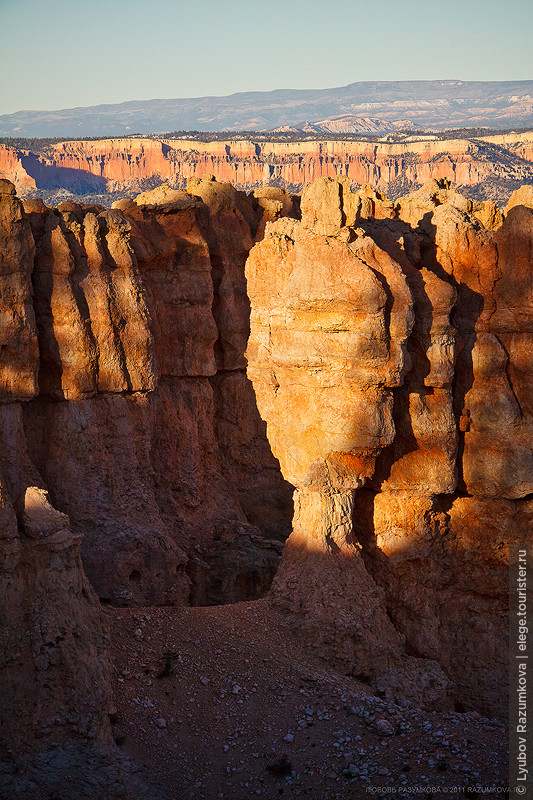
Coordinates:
column 243, row 709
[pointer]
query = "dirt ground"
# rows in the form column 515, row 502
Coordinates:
column 224, row 702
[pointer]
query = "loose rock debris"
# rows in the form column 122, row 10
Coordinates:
column 224, row 702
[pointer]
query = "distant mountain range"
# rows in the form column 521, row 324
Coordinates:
column 347, row 123
column 425, row 104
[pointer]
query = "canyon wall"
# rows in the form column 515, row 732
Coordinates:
column 55, row 732
column 125, row 342
column 390, row 353
column 493, row 165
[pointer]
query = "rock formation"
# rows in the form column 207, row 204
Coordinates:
column 389, row 356
column 54, row 669
column 124, row 330
column 490, row 166
column 55, row 733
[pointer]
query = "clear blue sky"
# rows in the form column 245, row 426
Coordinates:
column 63, row 53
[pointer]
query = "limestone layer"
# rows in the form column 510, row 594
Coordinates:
column 390, row 353
column 109, row 165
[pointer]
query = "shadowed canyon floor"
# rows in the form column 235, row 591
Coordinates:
column 226, row 703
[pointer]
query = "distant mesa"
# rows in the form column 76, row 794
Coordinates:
column 491, row 167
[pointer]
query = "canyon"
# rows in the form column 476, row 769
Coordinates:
column 175, row 366
column 489, row 167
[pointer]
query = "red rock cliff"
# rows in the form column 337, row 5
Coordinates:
column 125, row 331
column 119, row 164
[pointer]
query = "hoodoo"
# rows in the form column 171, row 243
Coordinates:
column 388, row 353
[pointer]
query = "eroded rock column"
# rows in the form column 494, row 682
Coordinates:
column 390, row 353
column 331, row 315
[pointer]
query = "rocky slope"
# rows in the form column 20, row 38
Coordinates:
column 225, row 704
column 491, row 167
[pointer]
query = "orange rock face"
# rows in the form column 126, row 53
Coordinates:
column 128, row 164
column 12, row 168
column 116, row 324
column 390, row 360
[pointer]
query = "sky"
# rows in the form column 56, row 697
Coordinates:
column 65, row 53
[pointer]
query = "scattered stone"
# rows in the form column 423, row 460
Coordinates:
column 383, row 726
